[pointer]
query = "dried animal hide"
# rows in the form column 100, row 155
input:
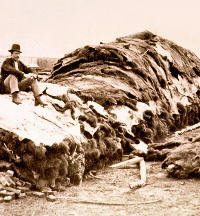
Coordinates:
column 184, row 161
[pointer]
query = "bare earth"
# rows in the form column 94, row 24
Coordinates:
column 161, row 196
column 110, row 195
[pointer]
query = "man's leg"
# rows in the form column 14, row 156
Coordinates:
column 27, row 82
column 11, row 86
column 37, row 93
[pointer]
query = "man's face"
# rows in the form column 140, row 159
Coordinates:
column 15, row 55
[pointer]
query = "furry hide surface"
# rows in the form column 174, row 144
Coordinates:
column 103, row 101
column 183, row 161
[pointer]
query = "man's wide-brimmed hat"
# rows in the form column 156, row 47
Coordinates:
column 15, row 47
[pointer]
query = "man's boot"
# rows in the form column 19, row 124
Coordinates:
column 15, row 98
column 38, row 101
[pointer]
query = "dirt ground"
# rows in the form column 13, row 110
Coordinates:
column 110, row 195
column 111, row 192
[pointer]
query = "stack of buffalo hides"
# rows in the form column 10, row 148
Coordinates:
column 103, row 101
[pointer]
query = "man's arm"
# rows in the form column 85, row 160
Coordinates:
column 7, row 66
column 28, row 71
column 25, row 68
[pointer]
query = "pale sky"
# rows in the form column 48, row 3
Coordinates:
column 55, row 27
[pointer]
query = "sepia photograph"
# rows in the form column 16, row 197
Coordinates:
column 99, row 108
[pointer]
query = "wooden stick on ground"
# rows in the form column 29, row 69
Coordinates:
column 75, row 200
column 143, row 178
column 127, row 162
column 132, row 161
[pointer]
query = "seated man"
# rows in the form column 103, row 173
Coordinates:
column 17, row 77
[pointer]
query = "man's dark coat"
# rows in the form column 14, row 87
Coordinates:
column 8, row 67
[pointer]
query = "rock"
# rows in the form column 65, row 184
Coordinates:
column 5, row 165
column 27, row 184
column 22, row 195
column 36, row 194
column 6, row 178
column 6, row 193
column 10, row 172
column 51, row 198
column 47, row 191
column 8, row 198
column 16, row 191
column 18, row 183
column 24, row 189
